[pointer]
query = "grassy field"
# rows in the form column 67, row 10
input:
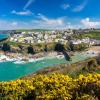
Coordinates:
column 93, row 35
column 33, row 30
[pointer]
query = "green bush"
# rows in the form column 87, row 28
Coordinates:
column 52, row 87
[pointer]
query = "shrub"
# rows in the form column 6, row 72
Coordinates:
column 52, row 87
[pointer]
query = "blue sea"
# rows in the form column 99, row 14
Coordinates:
column 11, row 71
column 2, row 36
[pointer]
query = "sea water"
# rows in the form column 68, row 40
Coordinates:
column 2, row 36
column 11, row 71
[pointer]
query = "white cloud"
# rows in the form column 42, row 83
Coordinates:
column 14, row 23
column 4, row 24
column 90, row 24
column 28, row 4
column 36, row 23
column 45, row 22
column 81, row 6
column 57, row 23
column 25, row 12
column 40, row 21
column 73, row 26
column 10, row 25
column 65, row 6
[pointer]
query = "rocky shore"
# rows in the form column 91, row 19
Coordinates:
column 24, row 58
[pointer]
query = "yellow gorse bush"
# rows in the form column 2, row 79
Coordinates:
column 52, row 87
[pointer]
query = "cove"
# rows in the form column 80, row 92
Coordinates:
column 10, row 71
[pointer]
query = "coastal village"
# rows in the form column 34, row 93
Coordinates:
column 45, row 37
column 50, row 36
column 41, row 37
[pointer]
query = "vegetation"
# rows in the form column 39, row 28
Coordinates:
column 40, row 47
column 87, row 66
column 52, row 87
column 31, row 50
column 32, row 30
column 59, row 47
column 80, row 47
column 46, row 48
column 92, row 35
column 6, row 47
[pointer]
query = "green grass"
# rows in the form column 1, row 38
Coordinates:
column 93, row 35
column 33, row 30
column 98, row 71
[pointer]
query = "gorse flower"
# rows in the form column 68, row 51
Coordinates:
column 52, row 87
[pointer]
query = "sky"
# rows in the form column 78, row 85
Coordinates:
column 49, row 14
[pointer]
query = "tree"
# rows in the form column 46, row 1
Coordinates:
column 46, row 48
column 31, row 50
column 21, row 47
column 71, row 46
column 59, row 47
column 6, row 47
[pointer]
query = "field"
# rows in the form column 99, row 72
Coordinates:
column 93, row 35
column 33, row 30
